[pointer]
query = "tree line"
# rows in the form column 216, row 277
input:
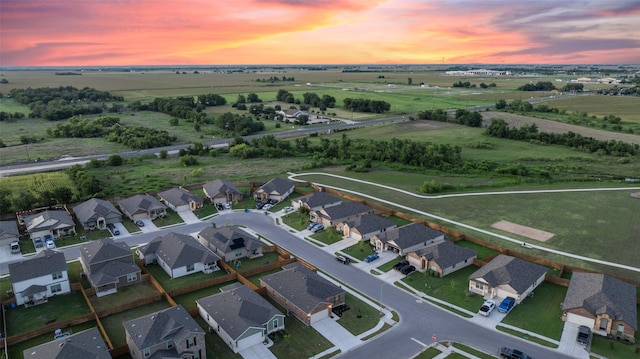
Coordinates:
column 462, row 117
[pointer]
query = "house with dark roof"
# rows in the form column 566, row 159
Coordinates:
column 344, row 212
column 230, row 242
column 442, row 257
column 85, row 344
column 364, row 227
column 142, row 206
column 221, row 191
column 97, row 213
column 277, row 189
column 39, row 277
column 178, row 255
column 240, row 316
column 8, row 232
column 507, row 276
column 108, row 265
column 52, row 224
column 179, row 199
column 315, row 201
column 169, row 333
column 304, row 293
column 605, row 304
column 405, row 239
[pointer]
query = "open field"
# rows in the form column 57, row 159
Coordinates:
column 626, row 107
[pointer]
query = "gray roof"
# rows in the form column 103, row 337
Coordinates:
column 277, row 185
column 9, row 229
column 302, row 287
column 599, row 294
column 103, row 250
column 410, row 235
column 172, row 324
column 343, row 210
column 140, row 202
column 33, row 289
column 512, row 271
column 178, row 250
column 369, row 223
column 238, row 309
column 179, row 196
column 44, row 263
column 48, row 219
column 220, row 186
column 446, row 253
column 228, row 238
column 318, row 199
column 95, row 206
column 87, row 344
column 112, row 271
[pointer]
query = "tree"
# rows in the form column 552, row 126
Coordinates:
column 409, row 81
column 114, row 160
column 174, row 121
column 163, row 154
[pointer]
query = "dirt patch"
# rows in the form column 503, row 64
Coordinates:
column 559, row 127
column 635, row 195
column 524, row 231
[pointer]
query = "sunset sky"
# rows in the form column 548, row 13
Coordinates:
column 228, row 32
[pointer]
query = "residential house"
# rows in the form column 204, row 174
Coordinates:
column 240, row 316
column 277, row 189
column 39, row 277
column 304, row 293
column 507, row 276
column 364, row 227
column 51, row 224
column 345, row 212
column 230, row 243
column 142, row 206
column 291, row 114
column 221, row 191
column 108, row 265
column 442, row 257
column 178, row 255
column 8, row 232
column 605, row 304
column 85, row 344
column 406, row 239
column 97, row 213
column 179, row 199
column 315, row 201
column 169, row 333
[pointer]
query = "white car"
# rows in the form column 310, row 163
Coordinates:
column 51, row 244
column 487, row 307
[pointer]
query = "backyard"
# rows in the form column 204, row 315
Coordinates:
column 113, row 324
column 126, row 295
column 169, row 284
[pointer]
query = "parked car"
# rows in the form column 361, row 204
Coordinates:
column 15, row 247
column 37, row 242
column 400, row 264
column 139, row 223
column 371, row 257
column 51, row 244
column 408, row 269
column 317, row 228
column 487, row 307
column 583, row 334
column 343, row 259
column 288, row 209
column 311, row 225
column 227, row 206
column 259, row 205
column 509, row 353
column 267, row 206
column 506, row 305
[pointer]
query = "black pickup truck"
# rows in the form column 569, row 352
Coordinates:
column 509, row 353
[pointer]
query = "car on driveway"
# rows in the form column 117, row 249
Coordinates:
column 487, row 307
column 311, row 225
column 506, row 305
column 37, row 242
column 583, row 335
column 408, row 269
column 317, row 228
column 51, row 244
column 400, row 264
column 371, row 257
column 139, row 223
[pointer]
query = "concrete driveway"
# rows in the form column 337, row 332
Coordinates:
column 569, row 343
column 258, row 351
column 188, row 216
column 336, row 333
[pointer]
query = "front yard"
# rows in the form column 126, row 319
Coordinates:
column 359, row 250
column 299, row 340
column 328, row 236
column 296, row 220
column 360, row 317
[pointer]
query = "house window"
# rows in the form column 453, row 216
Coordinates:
column 238, row 252
column 190, row 267
column 479, row 285
column 146, row 352
column 132, row 277
column 196, row 355
column 56, row 288
column 191, row 342
column 56, row 275
column 169, row 344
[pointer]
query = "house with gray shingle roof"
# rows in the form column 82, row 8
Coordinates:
column 605, row 304
column 50, row 224
column 315, row 201
column 85, row 344
column 39, row 277
column 507, row 276
column 405, row 239
column 8, row 232
column 364, row 227
column 221, row 191
column 345, row 212
column 230, row 242
column 169, row 333
column 240, row 316
column 108, row 265
column 96, row 213
column 178, row 255
column 179, row 199
column 304, row 293
column 442, row 257
column 142, row 206
column 277, row 189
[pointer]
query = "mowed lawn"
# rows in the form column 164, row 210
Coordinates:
column 113, row 324
column 58, row 308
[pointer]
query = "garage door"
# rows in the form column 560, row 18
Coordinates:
column 249, row 342
column 318, row 316
column 579, row 320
